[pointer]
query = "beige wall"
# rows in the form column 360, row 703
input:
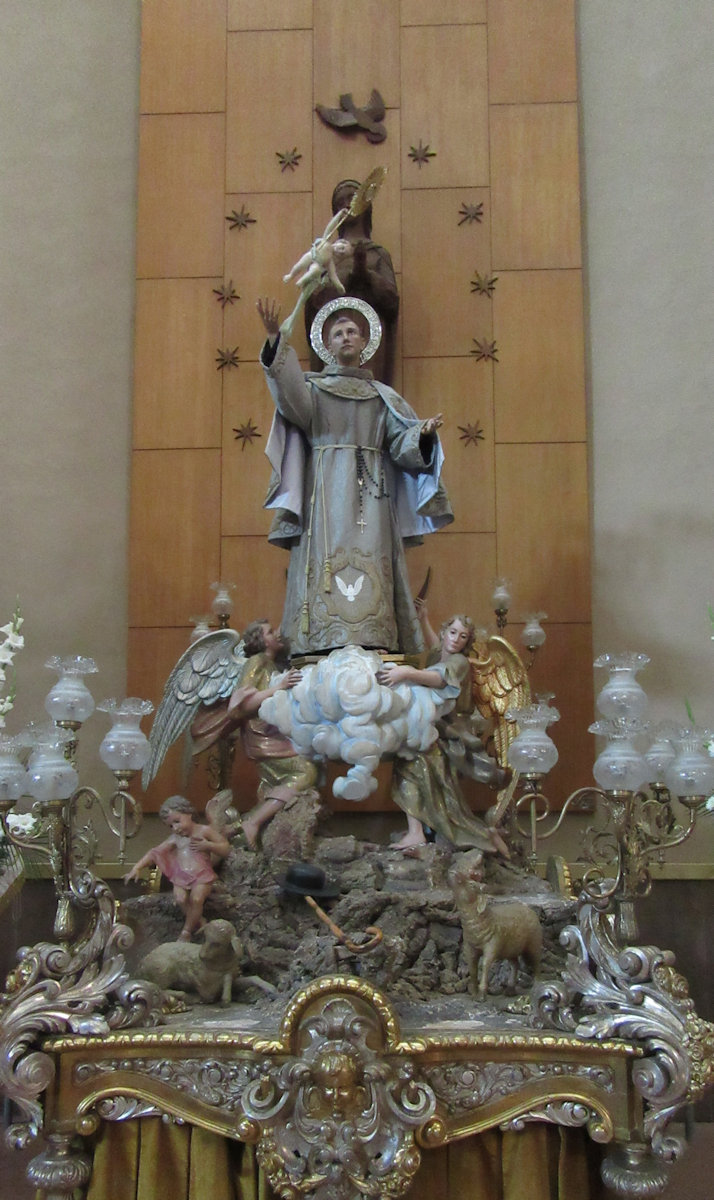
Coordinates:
column 69, row 80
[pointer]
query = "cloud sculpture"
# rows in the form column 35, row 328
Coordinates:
column 340, row 711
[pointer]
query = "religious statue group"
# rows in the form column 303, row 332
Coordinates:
column 356, row 477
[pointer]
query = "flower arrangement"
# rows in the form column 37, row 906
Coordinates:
column 11, row 863
column 13, row 641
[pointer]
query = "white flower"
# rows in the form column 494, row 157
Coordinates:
column 15, row 640
column 22, row 823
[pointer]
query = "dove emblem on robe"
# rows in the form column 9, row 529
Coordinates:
column 350, row 590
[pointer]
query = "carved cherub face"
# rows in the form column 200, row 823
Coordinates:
column 336, row 1076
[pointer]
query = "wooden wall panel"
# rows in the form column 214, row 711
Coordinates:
column 443, row 12
column 463, row 567
column 445, row 105
column 359, row 50
column 264, row 70
column 531, row 51
column 540, row 379
column 177, row 394
column 256, row 259
column 461, row 389
column 270, row 14
column 258, row 571
column 246, row 470
column 174, row 534
column 183, row 56
column 180, row 202
column 440, row 314
column 564, row 666
column 535, row 196
column 542, row 522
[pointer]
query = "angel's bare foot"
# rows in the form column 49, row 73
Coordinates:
column 409, row 842
column 251, row 829
column 185, row 935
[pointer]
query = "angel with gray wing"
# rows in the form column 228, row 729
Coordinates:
column 218, row 686
column 205, row 674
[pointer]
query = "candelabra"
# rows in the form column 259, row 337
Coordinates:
column 636, row 791
column 50, row 778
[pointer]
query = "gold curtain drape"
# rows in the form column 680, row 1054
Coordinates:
column 151, row 1160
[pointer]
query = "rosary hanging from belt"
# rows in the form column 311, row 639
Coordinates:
column 366, row 482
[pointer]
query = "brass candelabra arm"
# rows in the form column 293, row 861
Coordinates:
column 121, row 812
column 539, row 809
column 640, row 826
column 656, row 820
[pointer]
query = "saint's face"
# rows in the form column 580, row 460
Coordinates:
column 455, row 638
column 345, row 342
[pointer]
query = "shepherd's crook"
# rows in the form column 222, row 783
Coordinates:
column 342, row 938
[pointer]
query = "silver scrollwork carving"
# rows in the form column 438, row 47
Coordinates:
column 571, row 1113
column 83, row 988
column 635, row 994
column 461, row 1086
column 220, row 1084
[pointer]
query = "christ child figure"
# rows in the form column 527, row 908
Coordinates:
column 317, row 267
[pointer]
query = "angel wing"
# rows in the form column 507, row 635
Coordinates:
column 207, row 672
column 499, row 681
column 221, row 813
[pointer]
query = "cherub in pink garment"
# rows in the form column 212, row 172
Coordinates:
column 186, row 858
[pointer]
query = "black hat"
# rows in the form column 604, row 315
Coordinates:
column 307, row 879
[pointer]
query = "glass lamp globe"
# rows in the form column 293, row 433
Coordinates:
column 49, row 775
column 533, row 635
column 13, row 776
column 222, row 603
column 660, row 754
column 622, row 695
column 70, row 699
column 201, row 626
column 619, row 767
column 532, row 751
column 691, row 774
column 125, row 748
column 501, row 595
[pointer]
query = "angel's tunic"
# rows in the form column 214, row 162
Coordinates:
column 427, row 788
column 354, row 479
column 181, row 864
column 283, row 772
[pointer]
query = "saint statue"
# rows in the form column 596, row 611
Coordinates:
column 356, row 476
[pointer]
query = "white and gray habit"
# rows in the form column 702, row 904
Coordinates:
column 353, row 479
